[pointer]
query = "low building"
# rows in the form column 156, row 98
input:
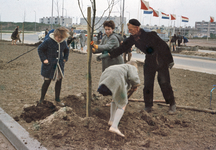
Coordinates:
column 205, row 28
column 66, row 22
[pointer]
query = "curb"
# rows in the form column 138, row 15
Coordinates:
column 16, row 134
column 196, row 57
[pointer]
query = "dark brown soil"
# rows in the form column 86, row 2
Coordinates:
column 68, row 128
column 38, row 112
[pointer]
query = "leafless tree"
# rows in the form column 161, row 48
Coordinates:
column 111, row 3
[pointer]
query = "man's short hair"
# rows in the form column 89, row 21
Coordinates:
column 134, row 22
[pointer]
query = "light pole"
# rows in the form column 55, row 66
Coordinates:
column 129, row 15
column 52, row 14
column 35, row 20
column 66, row 12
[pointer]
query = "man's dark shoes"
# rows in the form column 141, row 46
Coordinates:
column 148, row 109
column 172, row 109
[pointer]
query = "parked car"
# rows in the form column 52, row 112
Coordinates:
column 163, row 36
column 41, row 35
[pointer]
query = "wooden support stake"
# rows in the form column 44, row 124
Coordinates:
column 141, row 100
column 192, row 108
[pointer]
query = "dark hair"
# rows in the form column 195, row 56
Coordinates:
column 109, row 24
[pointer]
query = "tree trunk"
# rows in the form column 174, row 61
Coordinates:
column 89, row 55
column 23, row 34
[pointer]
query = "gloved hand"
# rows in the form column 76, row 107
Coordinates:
column 94, row 45
column 150, row 50
column 171, row 65
column 102, row 56
column 93, row 50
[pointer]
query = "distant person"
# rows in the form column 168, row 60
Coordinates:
column 14, row 36
column 179, row 37
column 116, row 80
column 47, row 36
column 99, row 37
column 185, row 40
column 128, row 52
column 46, row 31
column 109, row 41
column 173, row 42
column 53, row 53
column 71, row 38
column 82, row 39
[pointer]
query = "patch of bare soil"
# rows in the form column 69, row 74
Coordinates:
column 67, row 128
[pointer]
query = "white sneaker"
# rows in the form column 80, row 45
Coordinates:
column 113, row 130
column 110, row 123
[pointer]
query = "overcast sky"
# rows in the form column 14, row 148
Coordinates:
column 195, row 10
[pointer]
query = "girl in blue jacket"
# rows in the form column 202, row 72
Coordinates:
column 53, row 54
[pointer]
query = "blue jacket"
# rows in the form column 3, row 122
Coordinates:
column 49, row 50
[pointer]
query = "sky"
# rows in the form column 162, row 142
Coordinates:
column 31, row 10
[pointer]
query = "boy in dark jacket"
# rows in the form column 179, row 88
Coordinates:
column 53, row 54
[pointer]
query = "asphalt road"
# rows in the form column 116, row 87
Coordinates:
column 193, row 64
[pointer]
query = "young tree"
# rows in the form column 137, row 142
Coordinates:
column 91, row 30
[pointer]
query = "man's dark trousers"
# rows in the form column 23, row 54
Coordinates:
column 150, row 68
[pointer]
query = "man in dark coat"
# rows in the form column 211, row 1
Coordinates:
column 158, row 59
column 14, row 36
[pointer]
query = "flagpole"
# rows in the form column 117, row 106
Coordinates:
column 208, row 30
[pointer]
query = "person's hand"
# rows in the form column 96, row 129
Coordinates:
column 93, row 50
column 64, row 60
column 46, row 61
column 102, row 56
column 98, row 58
column 171, row 65
column 94, row 45
column 134, row 88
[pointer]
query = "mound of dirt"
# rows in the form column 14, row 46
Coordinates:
column 69, row 127
column 38, row 112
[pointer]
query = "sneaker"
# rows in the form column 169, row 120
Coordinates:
column 113, row 130
column 148, row 109
column 172, row 109
column 59, row 104
column 110, row 123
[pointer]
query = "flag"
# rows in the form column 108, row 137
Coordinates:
column 149, row 11
column 165, row 16
column 211, row 19
column 173, row 17
column 185, row 19
column 144, row 5
column 155, row 13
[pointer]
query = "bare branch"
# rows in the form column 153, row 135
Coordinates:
column 110, row 10
column 82, row 13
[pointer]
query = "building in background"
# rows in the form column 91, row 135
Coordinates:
column 205, row 28
column 66, row 22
